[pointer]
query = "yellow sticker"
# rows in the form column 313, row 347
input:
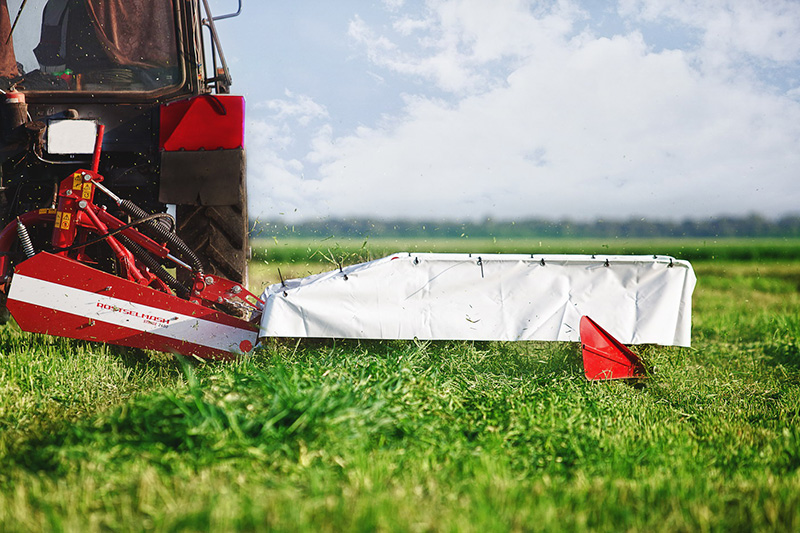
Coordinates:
column 65, row 220
column 47, row 211
column 77, row 181
column 87, row 191
column 58, row 219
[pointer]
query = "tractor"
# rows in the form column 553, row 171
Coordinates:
column 153, row 75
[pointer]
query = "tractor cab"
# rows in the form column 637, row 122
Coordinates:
column 153, row 74
column 89, row 47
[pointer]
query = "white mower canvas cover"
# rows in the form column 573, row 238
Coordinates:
column 503, row 297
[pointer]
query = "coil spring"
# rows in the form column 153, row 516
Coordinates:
column 25, row 239
column 160, row 231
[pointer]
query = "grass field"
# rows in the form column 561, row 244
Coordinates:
column 411, row 436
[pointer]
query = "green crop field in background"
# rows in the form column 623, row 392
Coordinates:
column 301, row 257
column 413, row 436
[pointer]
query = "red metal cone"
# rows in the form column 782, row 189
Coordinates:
column 604, row 357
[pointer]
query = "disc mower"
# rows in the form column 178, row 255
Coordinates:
column 114, row 111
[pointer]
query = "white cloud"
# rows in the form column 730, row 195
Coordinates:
column 605, row 127
column 456, row 40
column 732, row 30
column 277, row 182
column 298, row 107
column 406, row 25
column 536, row 120
column 393, row 5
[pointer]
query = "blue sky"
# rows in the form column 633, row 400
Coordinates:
column 463, row 109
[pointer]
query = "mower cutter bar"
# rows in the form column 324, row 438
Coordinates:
column 59, row 296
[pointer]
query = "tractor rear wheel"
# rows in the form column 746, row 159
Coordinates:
column 218, row 235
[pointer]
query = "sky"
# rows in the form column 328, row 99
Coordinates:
column 514, row 109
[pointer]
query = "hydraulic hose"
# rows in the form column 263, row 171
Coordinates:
column 159, row 231
column 155, row 267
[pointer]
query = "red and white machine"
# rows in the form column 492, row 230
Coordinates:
column 101, row 278
column 104, row 279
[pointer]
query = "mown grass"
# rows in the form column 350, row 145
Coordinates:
column 410, row 436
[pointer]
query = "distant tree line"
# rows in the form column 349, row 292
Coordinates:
column 722, row 226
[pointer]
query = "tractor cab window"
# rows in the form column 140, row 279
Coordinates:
column 88, row 45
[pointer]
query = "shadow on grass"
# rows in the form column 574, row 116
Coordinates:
column 138, row 359
column 523, row 359
column 783, row 348
column 785, row 353
column 231, row 415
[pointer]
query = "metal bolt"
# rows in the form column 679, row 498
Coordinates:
column 209, row 280
column 236, row 289
column 82, row 204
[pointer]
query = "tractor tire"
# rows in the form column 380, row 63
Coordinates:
column 218, row 235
